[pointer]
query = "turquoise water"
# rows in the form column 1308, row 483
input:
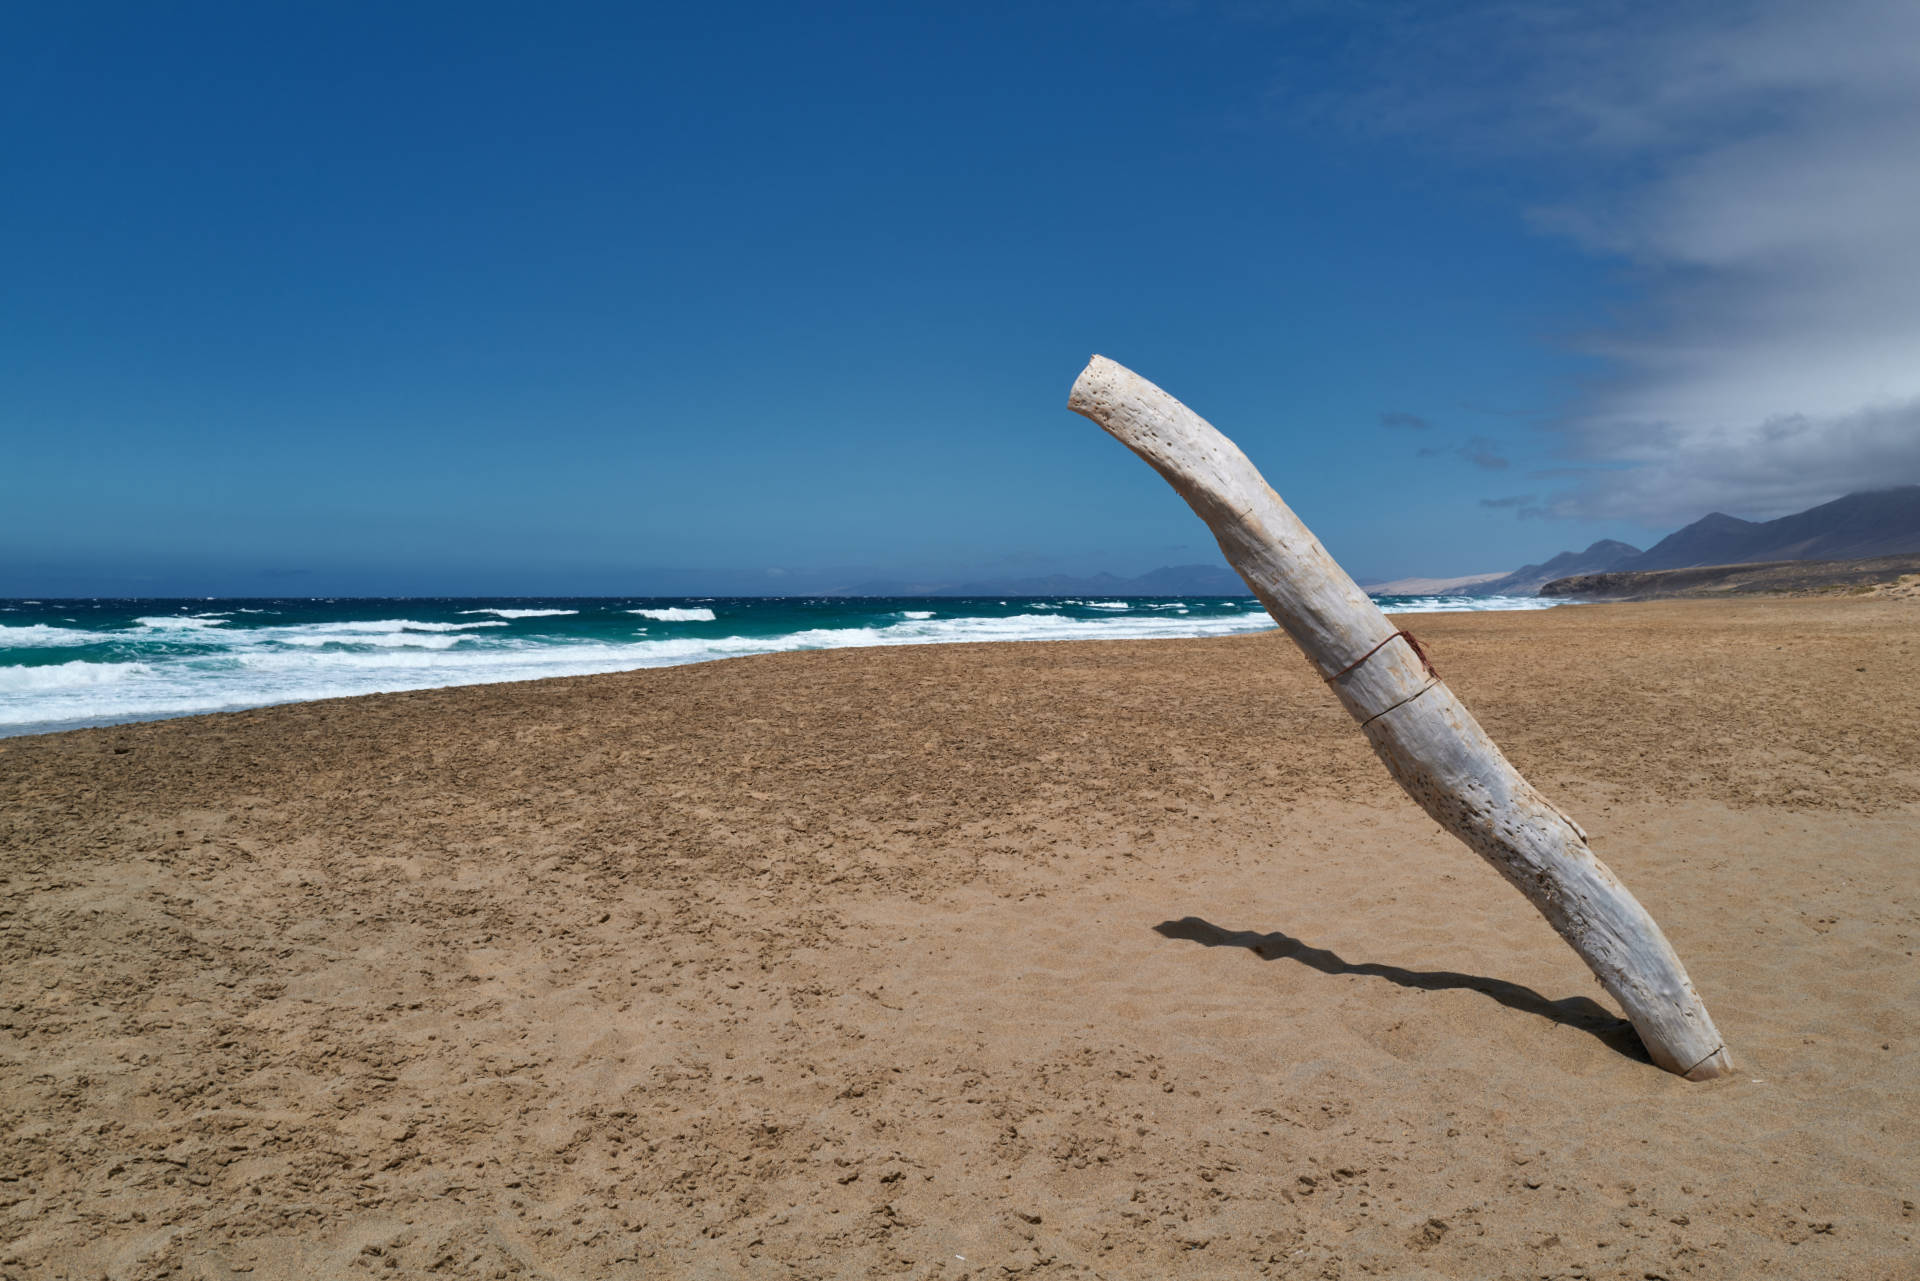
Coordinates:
column 71, row 663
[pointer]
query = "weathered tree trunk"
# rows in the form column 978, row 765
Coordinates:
column 1429, row 742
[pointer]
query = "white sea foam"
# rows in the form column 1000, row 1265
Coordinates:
column 253, row 667
column 382, row 640
column 79, row 675
column 182, row 622
column 670, row 614
column 1107, row 604
column 379, row 633
column 367, row 627
column 1462, row 604
column 522, row 613
column 37, row 635
column 209, row 668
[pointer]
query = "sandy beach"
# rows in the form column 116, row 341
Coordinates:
column 1118, row 959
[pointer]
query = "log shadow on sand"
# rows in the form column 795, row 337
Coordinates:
column 1581, row 1013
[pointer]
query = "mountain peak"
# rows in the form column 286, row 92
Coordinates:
column 1877, row 522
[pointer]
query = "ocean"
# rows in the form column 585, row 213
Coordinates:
column 65, row 664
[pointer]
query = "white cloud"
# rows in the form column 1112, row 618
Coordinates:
column 1758, row 165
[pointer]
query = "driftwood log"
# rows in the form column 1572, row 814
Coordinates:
column 1430, row 743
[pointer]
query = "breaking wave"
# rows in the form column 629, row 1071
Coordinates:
column 79, row 663
column 522, row 613
column 673, row 614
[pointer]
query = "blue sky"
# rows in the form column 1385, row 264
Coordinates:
column 471, row 298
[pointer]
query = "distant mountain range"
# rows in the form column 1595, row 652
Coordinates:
column 1883, row 522
column 1606, row 554
column 1879, row 522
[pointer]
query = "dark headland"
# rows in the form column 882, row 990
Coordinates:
column 1876, row 575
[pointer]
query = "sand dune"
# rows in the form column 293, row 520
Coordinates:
column 1053, row 960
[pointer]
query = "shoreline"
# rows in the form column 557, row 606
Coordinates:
column 155, row 659
column 1118, row 958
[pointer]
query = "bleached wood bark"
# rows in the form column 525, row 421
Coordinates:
column 1430, row 743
